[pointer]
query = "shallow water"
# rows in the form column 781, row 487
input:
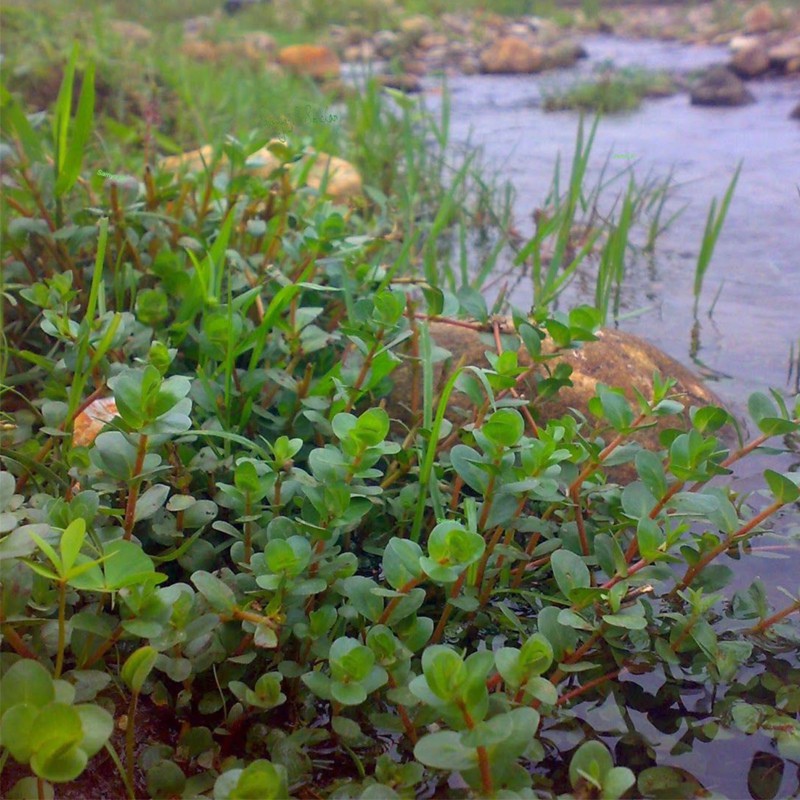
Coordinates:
column 745, row 346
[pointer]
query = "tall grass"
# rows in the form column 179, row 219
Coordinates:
column 714, row 223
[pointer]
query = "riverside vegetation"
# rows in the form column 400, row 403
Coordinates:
column 333, row 597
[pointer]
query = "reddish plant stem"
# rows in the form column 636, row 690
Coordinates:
column 17, row 643
column 104, row 648
column 411, row 731
column 571, row 695
column 693, row 571
column 133, row 494
column 395, row 601
column 768, row 622
column 483, row 756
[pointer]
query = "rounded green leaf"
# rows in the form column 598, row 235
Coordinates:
column 591, row 762
column 504, row 428
column 570, row 571
column 444, row 750
column 26, row 682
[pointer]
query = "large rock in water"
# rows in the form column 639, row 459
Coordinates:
column 720, row 87
column 511, row 54
column 616, row 359
column 749, row 59
column 343, row 179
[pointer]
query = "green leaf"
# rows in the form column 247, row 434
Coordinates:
column 444, row 671
column 81, row 133
column 218, row 594
column 401, row 562
column 138, row 666
column 16, row 729
column 55, row 742
column 444, row 750
column 71, row 542
column 260, row 780
column 570, row 571
column 26, row 682
column 783, row 489
column 591, row 762
column 98, row 725
column 504, row 428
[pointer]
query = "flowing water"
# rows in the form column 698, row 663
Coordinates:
column 745, row 345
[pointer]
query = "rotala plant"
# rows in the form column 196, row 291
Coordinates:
column 332, row 590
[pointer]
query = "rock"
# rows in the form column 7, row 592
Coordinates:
column 344, row 180
column 786, row 56
column 386, row 43
column 315, row 61
column 414, row 28
column 510, row 54
column 759, row 19
column 518, row 29
column 616, row 359
column 410, row 84
column 750, row 61
column 433, row 40
column 360, row 52
column 131, row 32
column 470, row 65
column 795, row 113
column 457, row 24
column 720, row 87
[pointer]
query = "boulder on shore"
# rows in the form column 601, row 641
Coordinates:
column 342, row 179
column 512, row 55
column 615, row 359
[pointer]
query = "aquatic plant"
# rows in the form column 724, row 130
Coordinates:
column 328, row 601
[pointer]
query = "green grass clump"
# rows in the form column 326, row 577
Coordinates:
column 612, row 93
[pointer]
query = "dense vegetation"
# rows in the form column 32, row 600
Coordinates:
column 327, row 602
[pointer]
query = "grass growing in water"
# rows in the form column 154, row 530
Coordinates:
column 614, row 91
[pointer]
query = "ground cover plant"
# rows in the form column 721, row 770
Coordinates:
column 328, row 603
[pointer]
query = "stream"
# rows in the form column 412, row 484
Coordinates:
column 753, row 334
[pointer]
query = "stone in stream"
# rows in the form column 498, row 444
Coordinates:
column 749, row 58
column 786, row 56
column 795, row 113
column 720, row 87
column 512, row 55
column 615, row 359
column 759, row 19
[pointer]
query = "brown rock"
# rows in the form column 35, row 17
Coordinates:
column 795, row 113
column 513, row 55
column 616, row 359
column 750, row 60
column 343, row 179
column 759, row 19
column 785, row 55
column 315, row 61
column 433, row 40
column 720, row 87
column 365, row 51
column 414, row 28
